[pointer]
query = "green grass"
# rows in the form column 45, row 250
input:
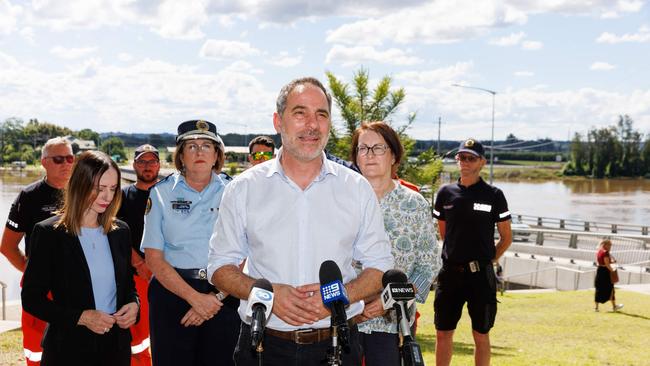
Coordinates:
column 553, row 329
column 558, row 328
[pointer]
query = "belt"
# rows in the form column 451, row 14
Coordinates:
column 193, row 274
column 473, row 266
column 302, row 336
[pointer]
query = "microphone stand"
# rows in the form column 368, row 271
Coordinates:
column 334, row 353
column 409, row 350
column 259, row 349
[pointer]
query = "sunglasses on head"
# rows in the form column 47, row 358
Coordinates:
column 467, row 158
column 59, row 159
column 266, row 155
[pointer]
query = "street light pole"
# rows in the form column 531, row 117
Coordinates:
column 494, row 93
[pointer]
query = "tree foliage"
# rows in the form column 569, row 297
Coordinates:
column 114, row 147
column 612, row 151
column 357, row 103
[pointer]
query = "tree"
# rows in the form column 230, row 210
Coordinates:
column 607, row 151
column 114, row 146
column 37, row 133
column 88, row 134
column 630, row 140
column 361, row 105
column 645, row 155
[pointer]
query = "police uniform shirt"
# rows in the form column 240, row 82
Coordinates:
column 470, row 214
column 134, row 202
column 179, row 220
column 35, row 203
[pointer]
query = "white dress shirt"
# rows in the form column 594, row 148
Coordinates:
column 286, row 233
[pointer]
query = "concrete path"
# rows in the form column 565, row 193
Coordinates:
column 640, row 288
column 13, row 317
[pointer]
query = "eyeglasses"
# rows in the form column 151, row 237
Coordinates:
column 59, row 159
column 193, row 148
column 377, row 149
column 262, row 155
column 141, row 162
column 467, row 158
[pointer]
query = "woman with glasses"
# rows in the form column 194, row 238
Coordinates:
column 377, row 151
column 191, row 322
column 82, row 257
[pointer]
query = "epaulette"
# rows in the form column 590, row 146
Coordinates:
column 162, row 180
column 225, row 176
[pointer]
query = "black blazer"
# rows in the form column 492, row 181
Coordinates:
column 56, row 264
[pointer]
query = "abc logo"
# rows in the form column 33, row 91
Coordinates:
column 264, row 295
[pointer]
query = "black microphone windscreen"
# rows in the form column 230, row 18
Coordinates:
column 393, row 276
column 329, row 272
column 264, row 284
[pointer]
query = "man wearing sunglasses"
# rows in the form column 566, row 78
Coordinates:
column 35, row 203
column 261, row 149
column 146, row 164
column 467, row 212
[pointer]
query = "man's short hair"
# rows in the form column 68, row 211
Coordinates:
column 261, row 140
column 281, row 102
column 55, row 141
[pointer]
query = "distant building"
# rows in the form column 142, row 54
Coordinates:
column 79, row 145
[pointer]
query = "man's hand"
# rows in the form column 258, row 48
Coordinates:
column 143, row 271
column 293, row 306
column 374, row 309
column 205, row 305
column 127, row 315
column 192, row 318
column 315, row 300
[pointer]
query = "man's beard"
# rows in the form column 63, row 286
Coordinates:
column 142, row 178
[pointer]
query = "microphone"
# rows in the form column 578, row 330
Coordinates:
column 335, row 297
column 260, row 302
column 400, row 295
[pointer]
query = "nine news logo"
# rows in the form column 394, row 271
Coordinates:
column 331, row 291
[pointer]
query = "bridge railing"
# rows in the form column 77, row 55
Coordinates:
column 4, row 300
column 581, row 225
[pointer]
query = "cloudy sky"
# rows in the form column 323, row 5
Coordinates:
column 557, row 66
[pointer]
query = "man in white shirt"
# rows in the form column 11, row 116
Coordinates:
column 287, row 216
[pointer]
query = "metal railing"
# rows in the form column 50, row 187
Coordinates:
column 581, row 225
column 533, row 274
column 4, row 300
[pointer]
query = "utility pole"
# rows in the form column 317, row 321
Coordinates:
column 438, row 148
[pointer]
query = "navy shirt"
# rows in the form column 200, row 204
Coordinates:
column 470, row 214
column 134, row 202
column 35, row 203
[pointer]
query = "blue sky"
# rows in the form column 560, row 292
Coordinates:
column 558, row 67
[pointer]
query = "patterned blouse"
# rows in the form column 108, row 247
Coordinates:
column 409, row 225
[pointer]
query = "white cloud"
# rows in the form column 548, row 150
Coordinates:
column 512, row 39
column 71, row 53
column 223, row 49
column 443, row 76
column 532, row 45
column 124, row 57
column 283, row 59
column 524, row 73
column 350, row 56
column 602, row 66
column 149, row 96
column 8, row 16
column 642, row 36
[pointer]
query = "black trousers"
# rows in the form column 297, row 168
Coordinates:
column 380, row 349
column 282, row 352
column 172, row 344
column 107, row 351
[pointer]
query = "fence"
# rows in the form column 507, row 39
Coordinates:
column 581, row 225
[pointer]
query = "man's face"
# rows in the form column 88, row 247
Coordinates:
column 147, row 167
column 469, row 165
column 304, row 124
column 259, row 148
column 58, row 162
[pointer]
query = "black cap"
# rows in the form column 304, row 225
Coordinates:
column 197, row 129
column 143, row 149
column 473, row 147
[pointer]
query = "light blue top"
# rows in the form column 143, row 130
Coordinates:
column 287, row 232
column 409, row 224
column 100, row 263
column 180, row 220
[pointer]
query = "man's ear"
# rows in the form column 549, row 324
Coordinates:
column 277, row 122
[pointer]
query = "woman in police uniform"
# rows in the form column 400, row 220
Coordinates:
column 191, row 323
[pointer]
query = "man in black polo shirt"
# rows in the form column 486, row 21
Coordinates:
column 146, row 164
column 466, row 213
column 36, row 202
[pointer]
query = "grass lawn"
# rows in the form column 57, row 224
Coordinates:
column 558, row 328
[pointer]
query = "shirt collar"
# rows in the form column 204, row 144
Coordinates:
column 328, row 167
column 180, row 179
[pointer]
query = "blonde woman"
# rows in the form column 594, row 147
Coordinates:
column 603, row 282
column 82, row 257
